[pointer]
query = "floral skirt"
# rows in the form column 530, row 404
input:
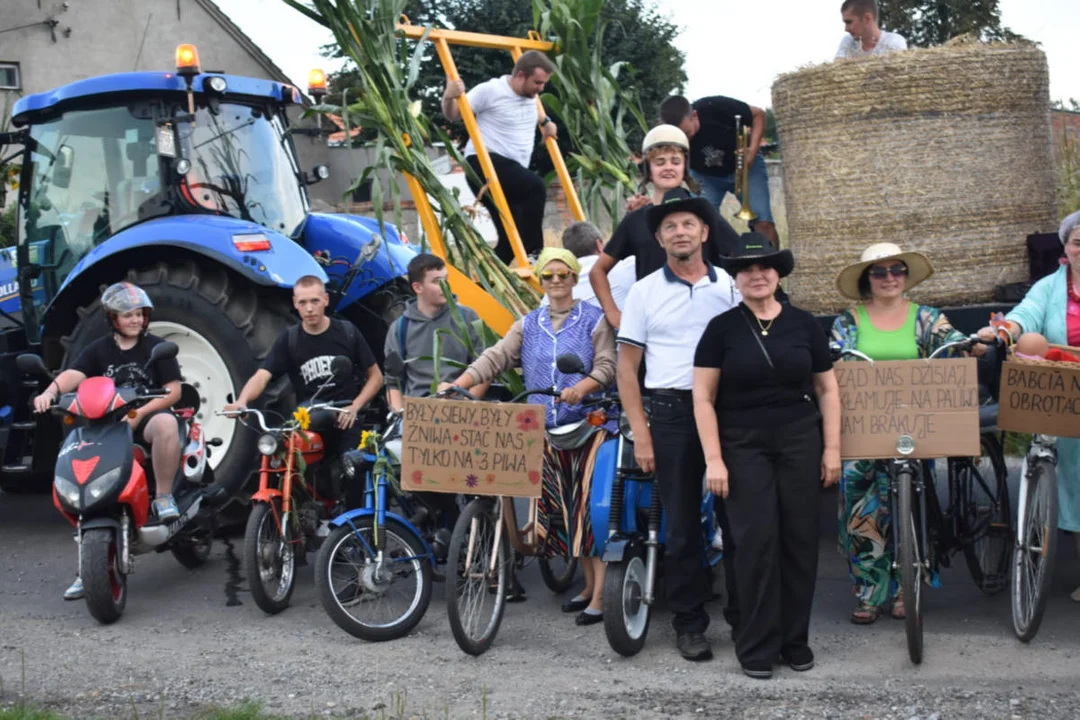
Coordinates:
column 564, row 520
column 865, row 532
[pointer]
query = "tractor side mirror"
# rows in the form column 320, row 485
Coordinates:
column 65, row 158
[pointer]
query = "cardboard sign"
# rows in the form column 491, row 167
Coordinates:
column 1039, row 398
column 934, row 402
column 476, row 448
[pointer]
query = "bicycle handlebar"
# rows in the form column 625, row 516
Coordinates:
column 335, row 406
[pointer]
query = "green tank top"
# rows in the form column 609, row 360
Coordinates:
column 899, row 344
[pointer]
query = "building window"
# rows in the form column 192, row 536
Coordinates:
column 9, row 76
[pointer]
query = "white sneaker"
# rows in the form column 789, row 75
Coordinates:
column 76, row 591
column 166, row 509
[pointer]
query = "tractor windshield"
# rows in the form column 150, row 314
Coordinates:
column 241, row 166
column 91, row 174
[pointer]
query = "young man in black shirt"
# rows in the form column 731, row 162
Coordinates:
column 305, row 354
column 710, row 125
column 123, row 355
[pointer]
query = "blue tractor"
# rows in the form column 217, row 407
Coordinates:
column 188, row 184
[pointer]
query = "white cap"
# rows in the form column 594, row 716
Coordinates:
column 665, row 135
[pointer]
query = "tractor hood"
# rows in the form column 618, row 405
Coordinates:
column 341, row 242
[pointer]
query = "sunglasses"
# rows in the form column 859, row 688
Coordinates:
column 894, row 270
column 561, row 274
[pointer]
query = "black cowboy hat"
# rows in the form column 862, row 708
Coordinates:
column 755, row 248
column 681, row 200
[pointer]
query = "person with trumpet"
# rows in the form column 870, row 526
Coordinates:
column 721, row 154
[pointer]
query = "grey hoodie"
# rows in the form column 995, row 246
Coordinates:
column 419, row 342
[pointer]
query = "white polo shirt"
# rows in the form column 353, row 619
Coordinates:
column 666, row 316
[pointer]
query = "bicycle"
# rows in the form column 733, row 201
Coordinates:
column 479, row 558
column 976, row 520
column 372, row 553
column 1035, row 548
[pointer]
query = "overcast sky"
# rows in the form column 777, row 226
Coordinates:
column 734, row 48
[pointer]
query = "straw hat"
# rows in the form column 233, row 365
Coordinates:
column 919, row 267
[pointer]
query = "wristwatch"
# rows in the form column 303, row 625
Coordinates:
column 545, row 121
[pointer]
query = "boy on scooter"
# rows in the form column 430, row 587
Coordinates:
column 123, row 355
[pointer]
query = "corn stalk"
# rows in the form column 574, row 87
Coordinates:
column 366, row 32
column 591, row 104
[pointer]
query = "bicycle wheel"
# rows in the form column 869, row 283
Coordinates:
column 365, row 600
column 1033, row 556
column 558, row 573
column 986, row 525
column 476, row 594
column 911, row 564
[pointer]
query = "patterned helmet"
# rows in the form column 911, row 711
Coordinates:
column 123, row 297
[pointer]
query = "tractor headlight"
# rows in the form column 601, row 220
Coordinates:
column 268, row 445
column 69, row 491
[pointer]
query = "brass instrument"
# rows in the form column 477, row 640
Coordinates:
column 742, row 171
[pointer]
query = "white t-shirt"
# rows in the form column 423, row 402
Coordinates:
column 621, row 277
column 667, row 316
column 507, row 120
column 850, row 47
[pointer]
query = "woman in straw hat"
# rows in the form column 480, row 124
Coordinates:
column 1052, row 308
column 564, row 325
column 884, row 325
column 664, row 166
column 769, row 451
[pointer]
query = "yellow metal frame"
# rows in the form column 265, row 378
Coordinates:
column 442, row 39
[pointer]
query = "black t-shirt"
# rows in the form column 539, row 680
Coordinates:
column 127, row 368
column 712, row 149
column 309, row 367
column 752, row 394
column 632, row 238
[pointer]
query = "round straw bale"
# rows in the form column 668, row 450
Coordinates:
column 944, row 150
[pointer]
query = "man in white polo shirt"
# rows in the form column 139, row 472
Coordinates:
column 665, row 315
column 507, row 115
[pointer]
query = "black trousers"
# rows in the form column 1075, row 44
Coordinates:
column 773, row 504
column 680, row 469
column 337, row 442
column 525, row 194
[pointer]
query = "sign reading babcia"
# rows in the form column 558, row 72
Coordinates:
column 475, row 448
column 1040, row 397
column 935, row 403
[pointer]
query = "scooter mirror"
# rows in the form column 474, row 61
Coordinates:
column 342, row 368
column 570, row 364
column 30, row 364
column 164, row 351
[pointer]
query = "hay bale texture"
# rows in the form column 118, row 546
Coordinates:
column 945, row 150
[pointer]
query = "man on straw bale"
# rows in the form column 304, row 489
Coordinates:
column 864, row 36
column 507, row 115
column 710, row 125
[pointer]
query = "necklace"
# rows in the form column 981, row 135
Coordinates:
column 764, row 328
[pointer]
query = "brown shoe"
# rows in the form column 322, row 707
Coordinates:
column 865, row 614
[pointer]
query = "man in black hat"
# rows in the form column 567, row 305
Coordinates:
column 663, row 319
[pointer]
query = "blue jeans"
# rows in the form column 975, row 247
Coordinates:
column 714, row 187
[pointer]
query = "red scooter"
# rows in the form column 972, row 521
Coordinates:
column 104, row 481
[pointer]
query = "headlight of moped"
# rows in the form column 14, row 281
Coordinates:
column 102, row 485
column 268, row 445
column 69, row 491
column 624, row 428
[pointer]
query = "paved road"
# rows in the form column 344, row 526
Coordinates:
column 189, row 639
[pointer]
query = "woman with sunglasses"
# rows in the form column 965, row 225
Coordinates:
column 884, row 325
column 564, row 325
